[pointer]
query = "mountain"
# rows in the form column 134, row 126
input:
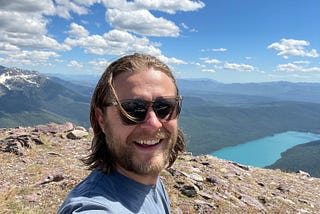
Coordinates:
column 41, row 165
column 29, row 98
column 285, row 91
column 305, row 156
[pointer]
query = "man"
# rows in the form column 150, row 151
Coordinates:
column 134, row 112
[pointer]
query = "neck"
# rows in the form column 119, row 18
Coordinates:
column 144, row 179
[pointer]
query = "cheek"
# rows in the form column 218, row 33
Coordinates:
column 172, row 125
column 118, row 130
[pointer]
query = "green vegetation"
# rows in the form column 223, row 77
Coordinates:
column 29, row 118
column 210, row 128
column 301, row 157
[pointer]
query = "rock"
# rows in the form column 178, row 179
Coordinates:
column 251, row 201
column 303, row 173
column 205, row 195
column 244, row 167
column 283, row 188
column 77, row 134
column 189, row 191
column 196, row 177
column 54, row 128
column 80, row 128
column 213, row 180
column 15, row 144
column 203, row 206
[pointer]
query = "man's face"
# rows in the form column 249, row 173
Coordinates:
column 143, row 148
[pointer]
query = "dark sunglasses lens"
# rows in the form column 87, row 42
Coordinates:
column 136, row 109
column 164, row 108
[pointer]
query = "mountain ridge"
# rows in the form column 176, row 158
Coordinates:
column 24, row 92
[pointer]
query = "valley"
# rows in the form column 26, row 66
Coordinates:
column 214, row 115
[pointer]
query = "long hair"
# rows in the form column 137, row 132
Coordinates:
column 100, row 155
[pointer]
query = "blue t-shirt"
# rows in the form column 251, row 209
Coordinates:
column 115, row 193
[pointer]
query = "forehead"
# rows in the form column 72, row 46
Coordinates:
column 149, row 83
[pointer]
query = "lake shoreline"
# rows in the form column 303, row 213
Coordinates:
column 265, row 151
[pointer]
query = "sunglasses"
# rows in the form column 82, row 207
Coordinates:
column 134, row 111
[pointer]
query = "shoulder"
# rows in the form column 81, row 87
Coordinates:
column 83, row 205
column 95, row 192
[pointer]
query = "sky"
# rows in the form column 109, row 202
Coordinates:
column 225, row 40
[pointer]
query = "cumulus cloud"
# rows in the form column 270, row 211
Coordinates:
column 169, row 6
column 78, row 31
column 141, row 22
column 74, row 63
column 28, row 6
column 219, row 49
column 214, row 50
column 99, row 64
column 292, row 47
column 208, row 70
column 290, row 67
column 33, row 58
column 114, row 42
column 24, row 28
column 64, row 7
column 171, row 60
column 24, row 38
column 210, row 61
column 238, row 67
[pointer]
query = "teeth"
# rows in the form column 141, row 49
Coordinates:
column 148, row 142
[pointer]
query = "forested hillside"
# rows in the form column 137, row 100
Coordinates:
column 210, row 128
column 304, row 156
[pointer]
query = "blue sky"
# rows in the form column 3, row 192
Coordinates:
column 225, row 40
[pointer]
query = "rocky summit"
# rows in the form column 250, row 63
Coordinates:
column 41, row 164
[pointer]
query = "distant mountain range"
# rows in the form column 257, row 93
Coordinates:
column 214, row 115
column 30, row 98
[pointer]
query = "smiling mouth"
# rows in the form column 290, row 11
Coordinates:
column 147, row 143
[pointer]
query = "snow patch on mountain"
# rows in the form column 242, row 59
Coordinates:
column 18, row 79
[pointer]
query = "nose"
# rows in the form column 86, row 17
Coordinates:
column 151, row 121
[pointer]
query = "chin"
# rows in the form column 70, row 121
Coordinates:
column 152, row 166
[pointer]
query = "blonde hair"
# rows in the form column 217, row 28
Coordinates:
column 104, row 92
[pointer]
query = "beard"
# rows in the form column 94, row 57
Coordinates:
column 125, row 155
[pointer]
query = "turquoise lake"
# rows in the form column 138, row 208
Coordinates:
column 265, row 151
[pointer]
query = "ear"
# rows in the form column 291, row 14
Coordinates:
column 99, row 117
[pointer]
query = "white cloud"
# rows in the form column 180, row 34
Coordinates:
column 238, row 67
column 33, row 58
column 184, row 26
column 99, row 64
column 141, row 22
column 25, row 36
column 210, row 61
column 27, row 30
column 6, row 48
column 114, row 42
column 171, row 60
column 74, row 63
column 28, row 6
column 214, row 50
column 64, row 7
column 301, row 62
column 208, row 70
column 219, row 49
column 292, row 47
column 169, row 6
column 78, row 31
column 296, row 68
